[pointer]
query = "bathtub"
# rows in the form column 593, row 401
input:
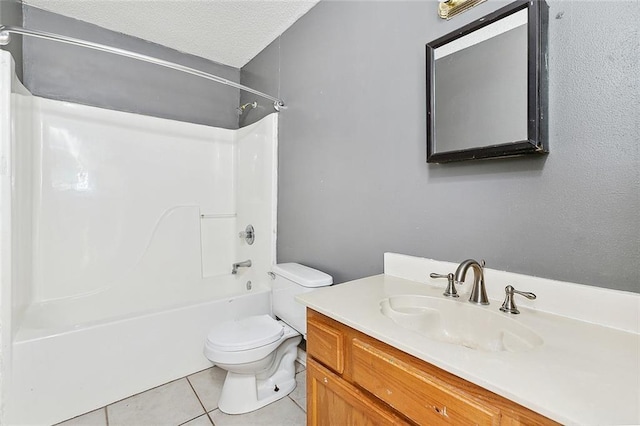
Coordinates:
column 118, row 235
column 62, row 368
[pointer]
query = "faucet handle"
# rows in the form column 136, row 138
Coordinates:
column 509, row 305
column 434, row 275
column 451, row 287
column 248, row 234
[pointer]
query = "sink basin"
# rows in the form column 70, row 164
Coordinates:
column 460, row 323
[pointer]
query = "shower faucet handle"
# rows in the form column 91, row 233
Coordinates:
column 248, row 234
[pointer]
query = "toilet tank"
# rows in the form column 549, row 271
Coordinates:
column 289, row 280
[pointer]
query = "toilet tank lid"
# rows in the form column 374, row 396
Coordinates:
column 303, row 275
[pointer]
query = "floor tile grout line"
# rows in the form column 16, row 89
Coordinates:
column 296, row 402
column 207, row 413
column 211, row 418
column 197, row 396
column 190, row 420
column 299, row 406
column 83, row 414
column 146, row 390
column 106, row 411
column 159, row 386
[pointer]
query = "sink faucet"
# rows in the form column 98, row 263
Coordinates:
column 478, row 291
column 245, row 264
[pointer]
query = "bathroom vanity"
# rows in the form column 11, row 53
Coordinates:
column 367, row 366
column 353, row 378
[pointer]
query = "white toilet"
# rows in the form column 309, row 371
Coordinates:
column 259, row 352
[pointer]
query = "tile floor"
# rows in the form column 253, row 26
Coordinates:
column 193, row 401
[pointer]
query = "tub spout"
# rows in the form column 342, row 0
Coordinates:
column 245, row 264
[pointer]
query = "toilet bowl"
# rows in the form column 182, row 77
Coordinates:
column 251, row 361
column 258, row 351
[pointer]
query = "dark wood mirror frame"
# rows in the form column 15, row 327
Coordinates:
column 537, row 104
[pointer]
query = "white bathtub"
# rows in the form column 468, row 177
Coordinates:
column 118, row 232
column 65, row 369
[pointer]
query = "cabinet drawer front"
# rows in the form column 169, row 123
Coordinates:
column 423, row 398
column 333, row 402
column 326, row 344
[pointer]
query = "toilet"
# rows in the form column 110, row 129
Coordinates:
column 258, row 351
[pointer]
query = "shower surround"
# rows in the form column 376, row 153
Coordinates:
column 118, row 235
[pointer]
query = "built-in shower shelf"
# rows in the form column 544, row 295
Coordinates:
column 217, row 216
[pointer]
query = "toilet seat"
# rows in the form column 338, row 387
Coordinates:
column 225, row 350
column 247, row 333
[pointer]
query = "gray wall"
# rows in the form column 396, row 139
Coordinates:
column 75, row 74
column 353, row 181
column 11, row 14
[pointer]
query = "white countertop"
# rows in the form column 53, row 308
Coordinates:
column 584, row 373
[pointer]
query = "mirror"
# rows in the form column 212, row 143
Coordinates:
column 487, row 86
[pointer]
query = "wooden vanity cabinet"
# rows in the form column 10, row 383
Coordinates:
column 354, row 379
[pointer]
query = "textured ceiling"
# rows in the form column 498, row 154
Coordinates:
column 229, row 32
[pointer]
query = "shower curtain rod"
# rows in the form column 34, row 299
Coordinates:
column 5, row 38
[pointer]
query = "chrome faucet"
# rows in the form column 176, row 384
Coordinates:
column 478, row 291
column 245, row 264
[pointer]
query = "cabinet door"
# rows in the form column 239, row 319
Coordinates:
column 331, row 401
